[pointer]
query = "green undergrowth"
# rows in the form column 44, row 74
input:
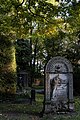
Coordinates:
column 32, row 111
column 34, row 107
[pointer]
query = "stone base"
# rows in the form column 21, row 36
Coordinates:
column 49, row 108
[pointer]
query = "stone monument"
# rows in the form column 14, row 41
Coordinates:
column 58, row 85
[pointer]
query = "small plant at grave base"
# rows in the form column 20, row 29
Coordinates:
column 77, row 103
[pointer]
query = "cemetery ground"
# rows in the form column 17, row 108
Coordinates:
column 25, row 111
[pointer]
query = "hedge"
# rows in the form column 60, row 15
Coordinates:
column 7, row 66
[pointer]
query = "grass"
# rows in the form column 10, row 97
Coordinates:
column 38, row 87
column 23, row 107
column 32, row 111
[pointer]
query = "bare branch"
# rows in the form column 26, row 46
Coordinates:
column 19, row 4
column 34, row 14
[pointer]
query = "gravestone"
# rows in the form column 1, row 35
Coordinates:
column 22, row 80
column 58, row 85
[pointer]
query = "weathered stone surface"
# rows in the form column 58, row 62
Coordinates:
column 58, row 85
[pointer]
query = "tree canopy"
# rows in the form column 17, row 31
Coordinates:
column 51, row 27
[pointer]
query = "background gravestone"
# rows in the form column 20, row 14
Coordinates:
column 22, row 80
column 58, row 85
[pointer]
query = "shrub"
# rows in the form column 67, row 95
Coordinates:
column 7, row 66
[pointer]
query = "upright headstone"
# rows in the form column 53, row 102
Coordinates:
column 22, row 80
column 58, row 85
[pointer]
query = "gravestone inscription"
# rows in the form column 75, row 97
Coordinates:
column 58, row 85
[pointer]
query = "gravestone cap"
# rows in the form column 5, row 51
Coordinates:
column 59, row 64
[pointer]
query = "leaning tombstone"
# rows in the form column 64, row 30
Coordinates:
column 58, row 86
